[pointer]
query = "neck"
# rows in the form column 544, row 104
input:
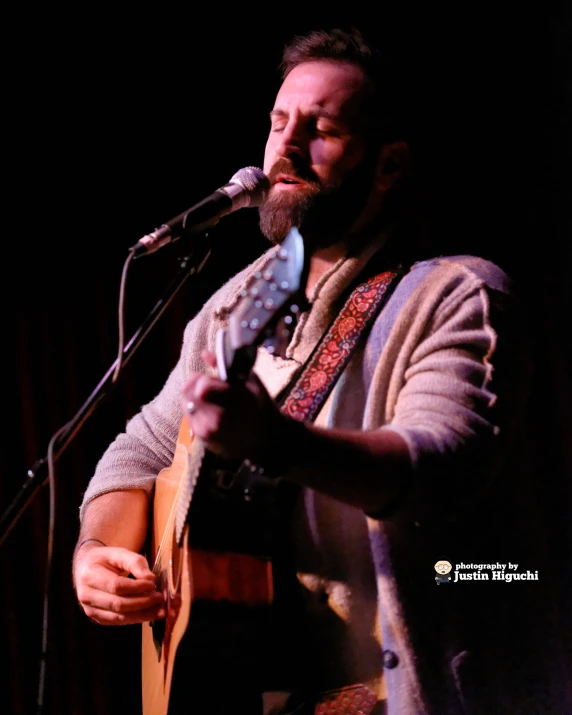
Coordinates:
column 321, row 260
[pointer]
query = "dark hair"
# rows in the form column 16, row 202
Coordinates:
column 385, row 104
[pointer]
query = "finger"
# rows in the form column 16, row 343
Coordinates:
column 200, row 385
column 105, row 601
column 102, row 589
column 123, row 561
column 126, row 586
column 209, row 358
column 189, row 384
column 206, row 391
column 188, row 398
column 108, row 570
column 109, row 618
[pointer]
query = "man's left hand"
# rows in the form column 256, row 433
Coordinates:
column 237, row 421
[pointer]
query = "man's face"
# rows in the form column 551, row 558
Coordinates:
column 316, row 156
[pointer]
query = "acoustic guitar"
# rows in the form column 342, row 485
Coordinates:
column 210, row 539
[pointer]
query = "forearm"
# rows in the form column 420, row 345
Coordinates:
column 367, row 469
column 117, row 518
column 113, row 582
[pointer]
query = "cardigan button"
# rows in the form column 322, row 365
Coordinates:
column 389, row 659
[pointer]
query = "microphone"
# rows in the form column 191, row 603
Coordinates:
column 247, row 188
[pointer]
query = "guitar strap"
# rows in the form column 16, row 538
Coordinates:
column 304, row 399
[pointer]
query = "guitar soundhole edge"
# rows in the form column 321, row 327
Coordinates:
column 175, row 565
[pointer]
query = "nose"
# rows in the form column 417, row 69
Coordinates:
column 293, row 141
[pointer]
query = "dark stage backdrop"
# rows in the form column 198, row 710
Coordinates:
column 116, row 123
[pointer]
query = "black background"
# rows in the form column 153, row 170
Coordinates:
column 115, row 122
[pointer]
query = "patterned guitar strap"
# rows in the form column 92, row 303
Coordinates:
column 317, row 379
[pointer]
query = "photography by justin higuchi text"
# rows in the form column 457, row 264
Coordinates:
column 481, row 572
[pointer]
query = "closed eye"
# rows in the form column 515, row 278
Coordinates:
column 327, row 130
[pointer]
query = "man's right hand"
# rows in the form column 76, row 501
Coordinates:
column 115, row 586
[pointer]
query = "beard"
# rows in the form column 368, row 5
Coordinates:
column 322, row 212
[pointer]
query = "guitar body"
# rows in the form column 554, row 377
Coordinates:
column 212, row 536
column 159, row 649
column 217, row 599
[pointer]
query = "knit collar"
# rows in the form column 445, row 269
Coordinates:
column 324, row 301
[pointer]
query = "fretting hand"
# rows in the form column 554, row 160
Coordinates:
column 236, row 421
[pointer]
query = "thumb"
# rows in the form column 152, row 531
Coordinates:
column 209, row 358
column 129, row 562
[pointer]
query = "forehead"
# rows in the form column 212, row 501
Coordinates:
column 337, row 87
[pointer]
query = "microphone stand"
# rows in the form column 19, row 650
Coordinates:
column 37, row 475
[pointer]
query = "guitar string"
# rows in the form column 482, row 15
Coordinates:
column 167, row 532
column 172, row 517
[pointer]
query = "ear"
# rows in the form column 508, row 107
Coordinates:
column 393, row 164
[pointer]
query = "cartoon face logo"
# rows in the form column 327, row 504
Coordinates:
column 443, row 567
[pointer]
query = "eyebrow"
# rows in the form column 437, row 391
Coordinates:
column 316, row 111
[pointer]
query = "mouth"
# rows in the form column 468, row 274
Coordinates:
column 286, row 180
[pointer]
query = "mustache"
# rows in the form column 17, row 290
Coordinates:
column 296, row 168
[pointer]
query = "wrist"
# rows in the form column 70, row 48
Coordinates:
column 91, row 539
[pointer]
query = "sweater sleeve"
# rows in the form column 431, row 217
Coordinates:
column 457, row 407
column 147, row 445
column 137, row 455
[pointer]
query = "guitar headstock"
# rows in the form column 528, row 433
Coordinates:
column 265, row 313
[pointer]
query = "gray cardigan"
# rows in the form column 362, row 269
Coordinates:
column 440, row 367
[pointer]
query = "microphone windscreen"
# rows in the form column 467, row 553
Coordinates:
column 255, row 181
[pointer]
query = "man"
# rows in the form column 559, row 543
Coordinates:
column 411, row 459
